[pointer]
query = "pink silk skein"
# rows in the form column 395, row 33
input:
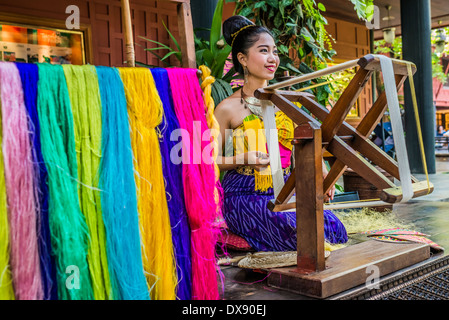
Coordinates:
column 20, row 187
column 198, row 180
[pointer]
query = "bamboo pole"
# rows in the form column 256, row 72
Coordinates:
column 128, row 30
column 313, row 75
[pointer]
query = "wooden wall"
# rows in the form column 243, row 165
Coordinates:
column 101, row 23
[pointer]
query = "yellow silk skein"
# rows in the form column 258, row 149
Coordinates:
column 145, row 111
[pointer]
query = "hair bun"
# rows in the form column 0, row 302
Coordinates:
column 232, row 25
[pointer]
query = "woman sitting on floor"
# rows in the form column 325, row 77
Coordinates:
column 247, row 182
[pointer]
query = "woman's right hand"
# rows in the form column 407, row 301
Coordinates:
column 257, row 160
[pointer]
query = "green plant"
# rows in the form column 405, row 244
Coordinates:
column 394, row 50
column 162, row 46
column 213, row 53
column 303, row 43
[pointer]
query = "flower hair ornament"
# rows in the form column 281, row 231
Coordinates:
column 235, row 34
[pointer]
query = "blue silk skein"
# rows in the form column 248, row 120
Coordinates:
column 174, row 188
column 118, row 191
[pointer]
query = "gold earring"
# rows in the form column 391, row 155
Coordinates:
column 245, row 75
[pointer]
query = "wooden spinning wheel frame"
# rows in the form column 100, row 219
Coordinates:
column 350, row 147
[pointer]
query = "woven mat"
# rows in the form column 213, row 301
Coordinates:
column 404, row 235
column 427, row 282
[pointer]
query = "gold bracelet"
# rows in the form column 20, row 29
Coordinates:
column 248, row 171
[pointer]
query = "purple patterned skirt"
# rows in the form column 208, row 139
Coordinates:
column 246, row 214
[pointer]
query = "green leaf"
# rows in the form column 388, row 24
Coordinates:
column 293, row 68
column 171, row 36
column 259, row 4
column 220, row 90
column 160, row 58
column 168, row 55
column 245, row 11
column 199, row 56
column 321, row 7
column 322, row 94
column 208, row 58
column 220, row 60
column 306, row 34
column 156, row 48
column 283, row 49
column 273, row 3
column 299, row 10
column 159, row 43
column 281, row 9
column 278, row 20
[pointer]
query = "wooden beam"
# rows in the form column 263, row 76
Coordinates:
column 375, row 113
column 186, row 38
column 344, row 104
column 348, row 267
column 309, row 202
column 359, row 142
column 359, row 164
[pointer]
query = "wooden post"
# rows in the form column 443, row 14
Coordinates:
column 416, row 47
column 309, row 198
column 128, row 30
column 186, row 39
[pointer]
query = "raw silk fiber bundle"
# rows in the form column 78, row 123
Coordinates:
column 6, row 285
column 69, row 233
column 118, row 192
column 84, row 93
column 20, row 187
column 29, row 75
column 198, row 179
column 206, row 85
column 174, row 189
column 145, row 113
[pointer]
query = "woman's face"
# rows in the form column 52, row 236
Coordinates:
column 262, row 59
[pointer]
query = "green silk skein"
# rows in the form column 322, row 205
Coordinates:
column 69, row 233
column 84, row 93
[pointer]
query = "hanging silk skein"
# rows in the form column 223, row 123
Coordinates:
column 20, row 187
column 84, row 94
column 29, row 75
column 174, row 189
column 69, row 233
column 199, row 180
column 145, row 112
column 6, row 285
